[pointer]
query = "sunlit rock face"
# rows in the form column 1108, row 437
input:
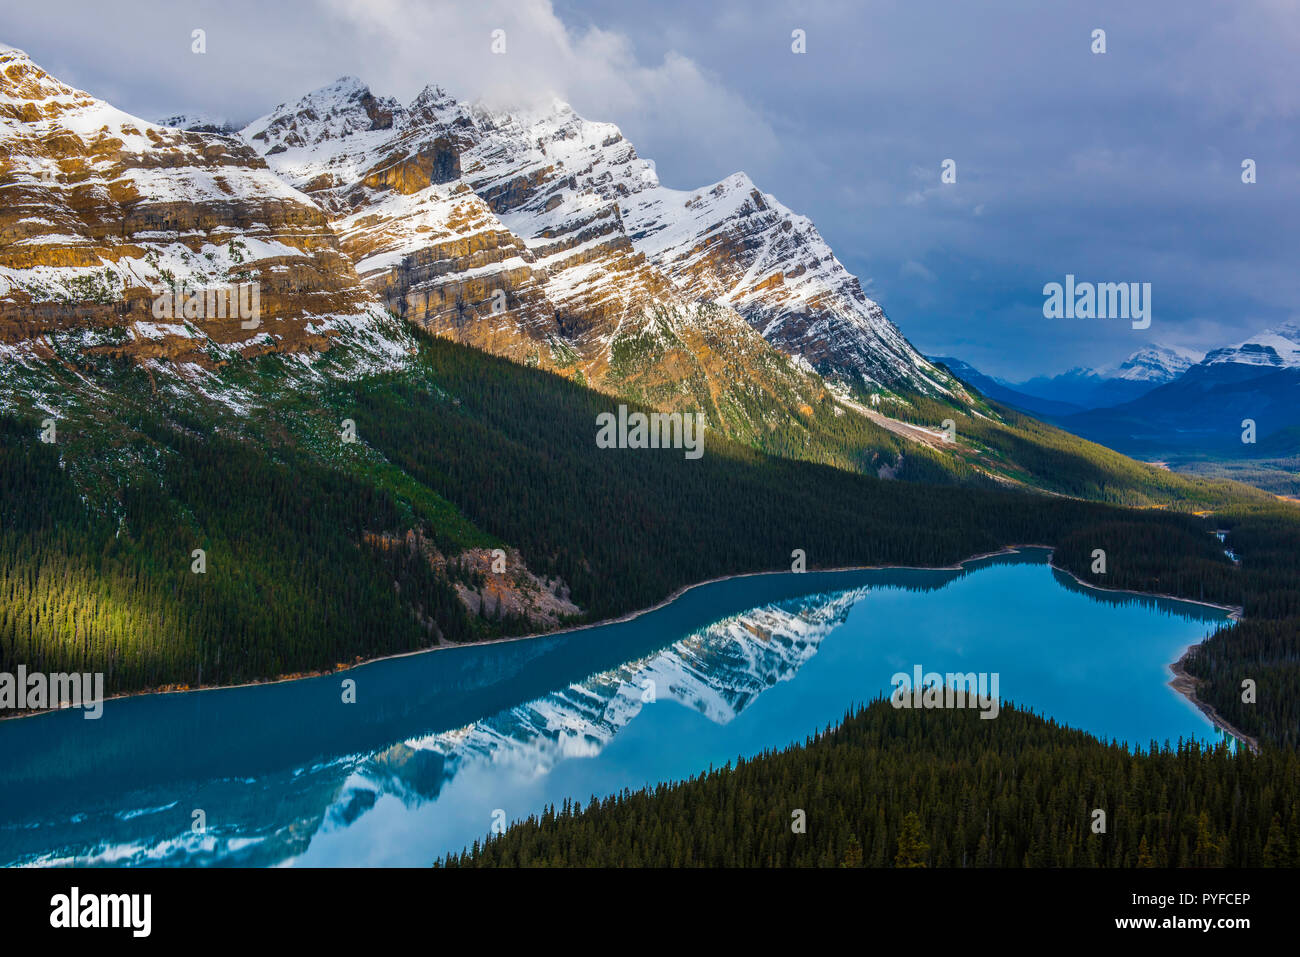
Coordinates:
column 543, row 237
column 565, row 183
column 736, row 245
column 100, row 211
column 537, row 235
column 390, row 178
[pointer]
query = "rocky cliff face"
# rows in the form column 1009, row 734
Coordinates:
column 475, row 226
column 101, row 211
column 559, row 180
column 735, row 245
column 539, row 236
column 566, row 184
column 420, row 238
column 544, row 237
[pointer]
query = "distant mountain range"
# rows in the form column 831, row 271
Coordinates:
column 999, row 391
column 1082, row 388
column 1256, row 381
column 1169, row 401
column 1141, row 372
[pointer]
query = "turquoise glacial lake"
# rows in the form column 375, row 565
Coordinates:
column 439, row 745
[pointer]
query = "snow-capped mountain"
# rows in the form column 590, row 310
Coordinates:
column 1277, row 348
column 100, row 211
column 542, row 235
column 1202, row 409
column 537, row 235
column 1086, row 388
column 733, row 244
column 420, row 237
column 469, row 224
column 1156, row 364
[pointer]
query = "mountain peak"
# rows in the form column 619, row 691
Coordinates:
column 22, row 80
column 343, row 89
column 1278, row 347
column 432, row 93
column 1155, row 363
column 334, row 111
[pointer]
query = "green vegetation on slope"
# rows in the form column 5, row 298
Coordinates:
column 515, row 451
column 290, row 583
column 461, row 450
column 939, row 788
column 1043, row 456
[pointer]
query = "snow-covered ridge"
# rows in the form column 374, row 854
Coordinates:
column 780, row 274
column 102, row 210
column 1154, row 363
column 1278, row 347
column 607, row 239
column 444, row 207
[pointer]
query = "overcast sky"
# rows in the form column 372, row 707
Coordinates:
column 1122, row 166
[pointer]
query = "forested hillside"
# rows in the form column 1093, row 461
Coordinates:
column 457, row 451
column 998, row 439
column 937, row 788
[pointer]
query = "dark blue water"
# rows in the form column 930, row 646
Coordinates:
column 439, row 746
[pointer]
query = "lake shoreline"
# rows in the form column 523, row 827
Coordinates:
column 447, row 645
column 1182, row 682
column 1186, row 685
column 630, row 616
